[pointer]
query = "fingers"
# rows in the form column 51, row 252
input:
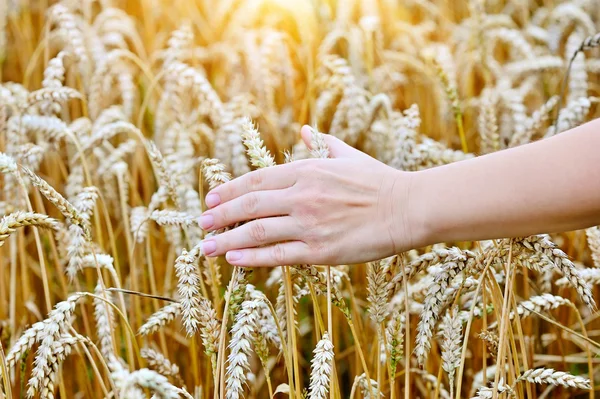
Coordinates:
column 277, row 177
column 337, row 148
column 287, row 253
column 253, row 234
column 258, row 204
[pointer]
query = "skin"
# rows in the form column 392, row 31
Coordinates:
column 352, row 208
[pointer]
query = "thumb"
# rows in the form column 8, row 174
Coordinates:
column 337, row 148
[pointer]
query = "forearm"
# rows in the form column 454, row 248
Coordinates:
column 547, row 186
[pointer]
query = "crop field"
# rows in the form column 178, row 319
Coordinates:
column 118, row 116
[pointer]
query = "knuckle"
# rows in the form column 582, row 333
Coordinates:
column 313, row 237
column 250, row 204
column 258, row 232
column 223, row 216
column 319, row 199
column 278, row 253
column 307, row 167
column 325, row 252
column 255, row 180
column 318, row 246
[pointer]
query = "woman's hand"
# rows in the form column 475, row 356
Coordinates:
column 348, row 209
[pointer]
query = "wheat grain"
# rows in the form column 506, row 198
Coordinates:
column 257, row 152
column 138, row 219
column 10, row 223
column 188, row 288
column 570, row 116
column 433, row 306
column 319, row 281
column 593, row 239
column 488, row 393
column 488, row 123
column 159, row 363
column 56, row 323
column 378, row 293
column 72, row 34
column 438, row 256
column 266, row 323
column 368, row 391
column 321, row 368
column 214, row 172
column 534, row 123
column 105, row 322
column 210, row 327
column 169, row 217
column 60, row 350
column 57, row 95
column 159, row 319
column 578, row 78
column 145, row 378
column 7, row 164
column 319, row 148
column 51, row 127
column 31, row 155
column 86, row 201
column 24, row 344
column 76, row 249
column 163, row 172
column 550, row 376
column 563, row 264
column 537, row 304
column 395, row 340
column 117, row 154
column 64, row 206
column 241, row 337
column 238, row 291
column 451, row 332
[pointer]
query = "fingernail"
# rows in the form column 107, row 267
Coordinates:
column 207, row 221
column 212, row 200
column 208, row 247
column 233, row 256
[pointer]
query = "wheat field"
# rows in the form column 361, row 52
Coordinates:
column 118, row 116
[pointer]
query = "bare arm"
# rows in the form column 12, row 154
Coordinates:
column 548, row 186
column 353, row 208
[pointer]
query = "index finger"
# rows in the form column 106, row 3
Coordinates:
column 273, row 178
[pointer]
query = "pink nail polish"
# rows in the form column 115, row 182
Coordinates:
column 233, row 256
column 208, row 247
column 207, row 221
column 212, row 200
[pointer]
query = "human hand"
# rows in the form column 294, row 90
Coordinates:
column 348, row 209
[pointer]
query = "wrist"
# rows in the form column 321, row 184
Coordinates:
column 413, row 210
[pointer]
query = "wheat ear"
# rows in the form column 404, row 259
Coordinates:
column 321, row 368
